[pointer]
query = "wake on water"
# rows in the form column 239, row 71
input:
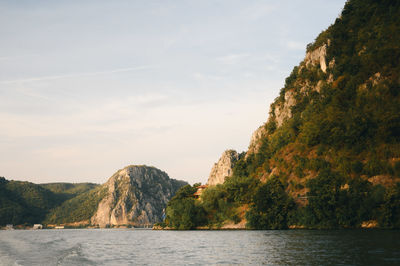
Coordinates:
column 35, row 248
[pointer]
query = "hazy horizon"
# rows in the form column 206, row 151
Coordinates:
column 89, row 87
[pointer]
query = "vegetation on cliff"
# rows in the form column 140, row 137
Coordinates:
column 330, row 155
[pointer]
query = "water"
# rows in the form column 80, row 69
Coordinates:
column 138, row 247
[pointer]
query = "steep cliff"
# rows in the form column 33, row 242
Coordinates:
column 281, row 109
column 223, row 168
column 255, row 141
column 135, row 195
column 339, row 107
column 328, row 155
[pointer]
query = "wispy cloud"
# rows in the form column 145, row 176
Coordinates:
column 74, row 75
column 232, row 59
column 206, row 77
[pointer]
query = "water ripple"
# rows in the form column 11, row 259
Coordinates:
column 133, row 247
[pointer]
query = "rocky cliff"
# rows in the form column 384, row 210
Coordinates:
column 281, row 109
column 255, row 141
column 339, row 108
column 332, row 133
column 223, row 168
column 135, row 195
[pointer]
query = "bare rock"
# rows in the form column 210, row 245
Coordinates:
column 255, row 141
column 223, row 168
column 136, row 195
column 317, row 56
column 283, row 112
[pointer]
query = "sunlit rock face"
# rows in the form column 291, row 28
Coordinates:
column 255, row 141
column 317, row 56
column 281, row 110
column 136, row 195
column 223, row 168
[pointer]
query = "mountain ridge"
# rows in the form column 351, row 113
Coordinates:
column 133, row 196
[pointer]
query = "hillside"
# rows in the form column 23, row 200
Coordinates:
column 69, row 188
column 328, row 155
column 25, row 202
column 134, row 196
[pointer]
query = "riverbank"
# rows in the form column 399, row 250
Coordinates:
column 372, row 224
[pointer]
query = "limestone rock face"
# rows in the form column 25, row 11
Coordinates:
column 317, row 56
column 255, row 141
column 284, row 112
column 136, row 195
column 223, row 168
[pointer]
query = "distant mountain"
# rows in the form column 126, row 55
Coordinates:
column 135, row 196
column 328, row 155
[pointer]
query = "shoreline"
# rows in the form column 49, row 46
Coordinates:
column 366, row 225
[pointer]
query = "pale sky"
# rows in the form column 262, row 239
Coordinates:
column 89, row 87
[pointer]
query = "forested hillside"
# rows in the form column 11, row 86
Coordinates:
column 329, row 154
column 28, row 203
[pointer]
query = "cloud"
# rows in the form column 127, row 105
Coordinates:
column 206, row 77
column 232, row 59
column 55, row 77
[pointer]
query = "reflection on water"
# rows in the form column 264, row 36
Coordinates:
column 132, row 247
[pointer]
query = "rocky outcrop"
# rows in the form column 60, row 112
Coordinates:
column 283, row 111
column 255, row 141
column 317, row 56
column 136, row 195
column 223, row 168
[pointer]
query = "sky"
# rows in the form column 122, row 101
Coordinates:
column 89, row 87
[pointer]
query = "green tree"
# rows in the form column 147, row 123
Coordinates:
column 183, row 211
column 271, row 206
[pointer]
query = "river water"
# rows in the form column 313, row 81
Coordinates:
column 138, row 247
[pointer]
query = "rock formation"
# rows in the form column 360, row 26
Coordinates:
column 255, row 142
column 223, row 168
column 317, row 56
column 282, row 110
column 136, row 195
